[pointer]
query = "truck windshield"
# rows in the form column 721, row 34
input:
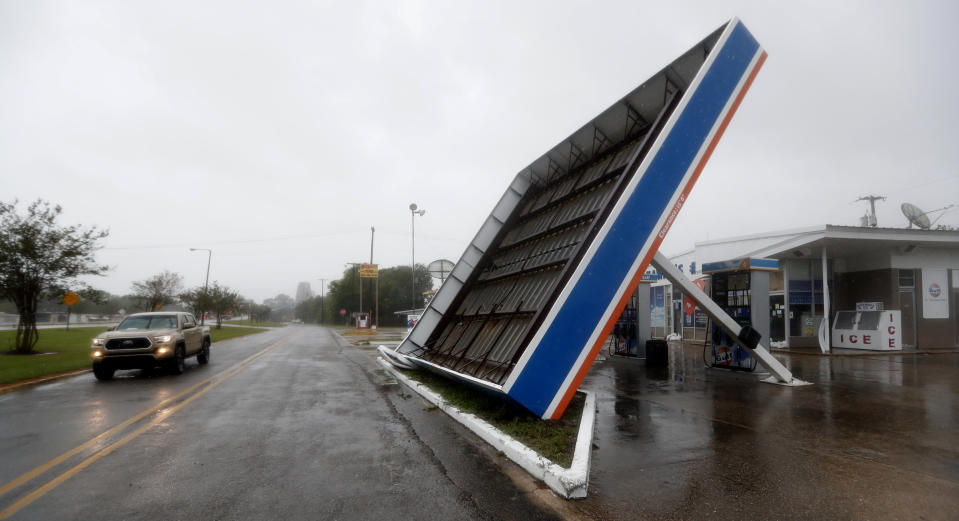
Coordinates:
column 148, row 322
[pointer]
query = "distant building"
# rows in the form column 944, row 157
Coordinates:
column 303, row 292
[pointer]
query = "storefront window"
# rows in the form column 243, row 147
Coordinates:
column 907, row 279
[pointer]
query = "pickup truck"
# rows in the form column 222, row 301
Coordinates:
column 147, row 340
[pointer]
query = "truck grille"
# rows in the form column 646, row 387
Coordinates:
column 128, row 343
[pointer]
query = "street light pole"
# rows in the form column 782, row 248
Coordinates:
column 206, row 283
column 413, row 213
column 376, row 292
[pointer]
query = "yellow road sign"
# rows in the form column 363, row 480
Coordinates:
column 70, row 298
column 369, row 271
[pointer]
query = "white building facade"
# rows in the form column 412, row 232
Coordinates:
column 826, row 269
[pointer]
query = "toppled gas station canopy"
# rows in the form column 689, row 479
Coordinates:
column 530, row 302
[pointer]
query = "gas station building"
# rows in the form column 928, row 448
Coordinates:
column 912, row 271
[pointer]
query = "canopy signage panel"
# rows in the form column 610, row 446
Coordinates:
column 527, row 307
column 651, row 277
column 745, row 264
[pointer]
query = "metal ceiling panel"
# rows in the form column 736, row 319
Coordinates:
column 539, row 288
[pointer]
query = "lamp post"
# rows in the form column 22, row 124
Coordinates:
column 206, row 283
column 413, row 213
column 376, row 292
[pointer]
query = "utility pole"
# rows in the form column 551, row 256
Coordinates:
column 376, row 293
column 872, row 206
column 322, row 301
column 206, row 282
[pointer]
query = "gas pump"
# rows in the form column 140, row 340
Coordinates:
column 624, row 339
column 632, row 329
column 741, row 288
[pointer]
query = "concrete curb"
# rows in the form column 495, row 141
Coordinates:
column 569, row 483
column 13, row 386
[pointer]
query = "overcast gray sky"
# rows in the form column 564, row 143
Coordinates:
column 277, row 133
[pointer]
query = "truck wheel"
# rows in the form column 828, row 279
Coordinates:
column 103, row 372
column 203, row 357
column 178, row 363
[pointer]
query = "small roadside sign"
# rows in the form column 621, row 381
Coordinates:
column 369, row 271
column 70, row 298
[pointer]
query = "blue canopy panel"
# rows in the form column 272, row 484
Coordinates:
column 743, row 264
column 528, row 305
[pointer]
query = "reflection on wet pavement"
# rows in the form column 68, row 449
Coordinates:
column 876, row 437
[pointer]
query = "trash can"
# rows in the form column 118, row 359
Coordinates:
column 657, row 353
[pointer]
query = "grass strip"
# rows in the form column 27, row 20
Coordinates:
column 250, row 323
column 227, row 332
column 60, row 351
column 553, row 439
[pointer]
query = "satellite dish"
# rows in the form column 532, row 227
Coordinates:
column 916, row 216
column 440, row 269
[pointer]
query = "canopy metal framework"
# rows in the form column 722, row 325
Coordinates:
column 527, row 306
column 497, row 313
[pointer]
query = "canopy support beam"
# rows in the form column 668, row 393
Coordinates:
column 780, row 375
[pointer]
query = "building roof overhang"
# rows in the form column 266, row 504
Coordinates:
column 851, row 240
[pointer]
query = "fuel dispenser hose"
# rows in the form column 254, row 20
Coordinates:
column 751, row 369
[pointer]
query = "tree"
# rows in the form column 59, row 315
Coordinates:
column 37, row 255
column 394, row 294
column 260, row 313
column 158, row 290
column 90, row 299
column 197, row 300
column 222, row 299
column 309, row 310
column 282, row 306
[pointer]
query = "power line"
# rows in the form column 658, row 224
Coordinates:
column 222, row 243
column 937, row 180
column 274, row 239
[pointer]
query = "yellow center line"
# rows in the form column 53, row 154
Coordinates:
column 53, row 483
column 31, row 474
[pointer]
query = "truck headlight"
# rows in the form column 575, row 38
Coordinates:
column 162, row 339
column 98, row 342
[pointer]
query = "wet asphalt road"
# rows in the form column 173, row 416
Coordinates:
column 308, row 430
column 876, row 437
